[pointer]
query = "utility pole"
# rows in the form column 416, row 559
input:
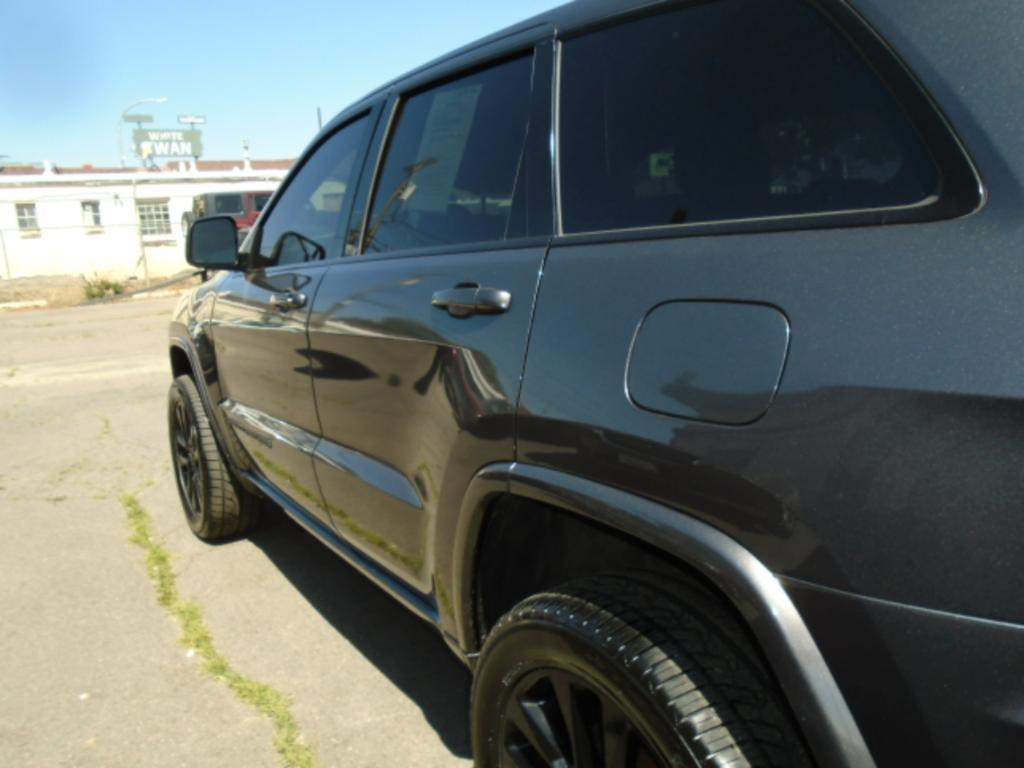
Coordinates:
column 3, row 250
column 122, row 120
column 138, row 232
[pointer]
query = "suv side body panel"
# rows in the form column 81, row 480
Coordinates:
column 896, row 412
column 881, row 486
column 414, row 399
column 887, row 472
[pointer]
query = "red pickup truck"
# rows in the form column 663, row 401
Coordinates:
column 243, row 207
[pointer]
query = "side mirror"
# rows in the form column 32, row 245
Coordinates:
column 212, row 243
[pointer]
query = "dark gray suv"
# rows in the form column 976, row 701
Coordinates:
column 661, row 355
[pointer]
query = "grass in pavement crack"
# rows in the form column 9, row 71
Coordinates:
column 196, row 635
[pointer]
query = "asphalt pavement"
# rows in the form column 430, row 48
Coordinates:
column 91, row 666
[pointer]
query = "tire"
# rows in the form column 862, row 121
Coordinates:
column 216, row 507
column 631, row 671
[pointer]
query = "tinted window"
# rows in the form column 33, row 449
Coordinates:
column 452, row 167
column 730, row 109
column 260, row 200
column 227, row 204
column 306, row 221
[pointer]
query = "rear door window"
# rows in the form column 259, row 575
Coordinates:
column 451, row 174
column 730, row 109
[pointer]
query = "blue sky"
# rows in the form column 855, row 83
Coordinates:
column 256, row 70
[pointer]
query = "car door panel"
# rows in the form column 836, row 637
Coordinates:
column 262, row 354
column 413, row 400
column 261, row 314
column 417, row 345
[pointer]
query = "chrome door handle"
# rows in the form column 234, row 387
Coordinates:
column 288, row 300
column 470, row 299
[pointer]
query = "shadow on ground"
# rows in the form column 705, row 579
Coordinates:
column 408, row 651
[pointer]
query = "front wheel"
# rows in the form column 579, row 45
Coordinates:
column 626, row 672
column 215, row 506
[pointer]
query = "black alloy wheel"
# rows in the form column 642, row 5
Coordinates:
column 188, row 460
column 557, row 718
column 216, row 506
column 627, row 671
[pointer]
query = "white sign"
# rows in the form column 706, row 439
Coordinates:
column 162, row 143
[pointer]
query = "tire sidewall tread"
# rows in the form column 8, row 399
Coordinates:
column 227, row 509
column 680, row 659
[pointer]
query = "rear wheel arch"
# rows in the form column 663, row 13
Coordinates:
column 616, row 530
column 527, row 546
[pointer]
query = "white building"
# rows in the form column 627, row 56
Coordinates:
column 111, row 223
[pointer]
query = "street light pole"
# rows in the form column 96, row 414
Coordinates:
column 135, row 200
column 120, row 122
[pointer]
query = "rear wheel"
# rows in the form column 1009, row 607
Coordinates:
column 626, row 672
column 215, row 505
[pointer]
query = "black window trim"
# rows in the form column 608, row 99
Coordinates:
column 961, row 189
column 522, row 45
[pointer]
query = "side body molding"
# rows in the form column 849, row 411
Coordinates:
column 806, row 680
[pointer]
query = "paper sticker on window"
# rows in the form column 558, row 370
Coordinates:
column 444, row 142
column 662, row 164
column 328, row 196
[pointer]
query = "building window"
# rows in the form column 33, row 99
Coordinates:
column 154, row 218
column 91, row 213
column 27, row 217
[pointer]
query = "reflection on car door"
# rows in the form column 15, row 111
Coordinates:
column 418, row 343
column 261, row 317
column 260, row 336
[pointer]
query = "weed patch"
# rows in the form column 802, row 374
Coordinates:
column 100, row 287
column 196, row 635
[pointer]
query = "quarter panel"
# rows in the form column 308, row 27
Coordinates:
column 191, row 329
column 952, row 684
column 889, row 462
column 967, row 56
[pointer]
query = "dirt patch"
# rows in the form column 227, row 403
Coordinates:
column 68, row 290
column 62, row 291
